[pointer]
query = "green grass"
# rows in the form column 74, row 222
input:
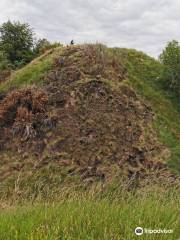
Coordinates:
column 143, row 74
column 32, row 73
column 94, row 217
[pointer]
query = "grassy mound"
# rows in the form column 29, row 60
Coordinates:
column 84, row 121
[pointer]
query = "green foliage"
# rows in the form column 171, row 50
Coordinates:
column 16, row 40
column 43, row 45
column 4, row 63
column 18, row 46
column 170, row 58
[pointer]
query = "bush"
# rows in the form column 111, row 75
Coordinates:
column 21, row 109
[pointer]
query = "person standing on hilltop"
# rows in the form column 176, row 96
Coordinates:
column 72, row 42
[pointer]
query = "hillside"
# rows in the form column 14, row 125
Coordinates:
column 81, row 115
column 144, row 72
column 88, row 127
column 81, row 118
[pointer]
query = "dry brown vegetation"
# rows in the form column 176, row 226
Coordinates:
column 84, row 117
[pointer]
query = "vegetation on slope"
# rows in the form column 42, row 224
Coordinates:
column 84, row 118
column 144, row 73
column 143, row 76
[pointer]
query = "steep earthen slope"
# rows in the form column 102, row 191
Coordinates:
column 84, row 118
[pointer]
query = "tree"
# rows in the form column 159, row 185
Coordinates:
column 170, row 58
column 16, row 40
column 43, row 45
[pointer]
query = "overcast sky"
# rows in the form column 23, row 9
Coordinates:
column 142, row 24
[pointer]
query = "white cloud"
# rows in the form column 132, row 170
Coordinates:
column 145, row 25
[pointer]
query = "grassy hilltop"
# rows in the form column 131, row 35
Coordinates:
column 89, row 146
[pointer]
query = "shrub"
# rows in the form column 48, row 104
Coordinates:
column 19, row 110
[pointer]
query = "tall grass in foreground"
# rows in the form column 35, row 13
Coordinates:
column 91, row 216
